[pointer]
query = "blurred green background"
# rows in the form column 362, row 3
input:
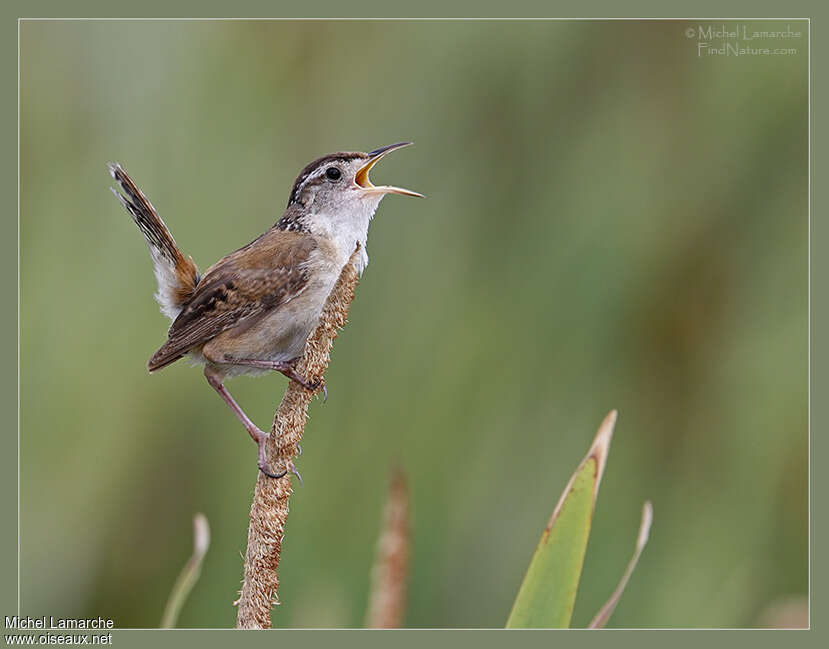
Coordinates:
column 611, row 221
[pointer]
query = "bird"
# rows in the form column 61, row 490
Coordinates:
column 251, row 312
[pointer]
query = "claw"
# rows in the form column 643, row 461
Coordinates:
column 313, row 386
column 266, row 469
column 293, row 470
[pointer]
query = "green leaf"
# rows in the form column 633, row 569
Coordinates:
column 548, row 592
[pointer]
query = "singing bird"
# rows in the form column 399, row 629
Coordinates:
column 252, row 311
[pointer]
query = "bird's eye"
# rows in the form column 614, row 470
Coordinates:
column 333, row 173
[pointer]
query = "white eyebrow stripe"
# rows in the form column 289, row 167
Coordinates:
column 308, row 178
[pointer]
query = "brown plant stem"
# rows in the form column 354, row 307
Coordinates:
column 387, row 601
column 269, row 509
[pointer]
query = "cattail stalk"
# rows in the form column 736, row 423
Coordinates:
column 387, row 601
column 269, row 510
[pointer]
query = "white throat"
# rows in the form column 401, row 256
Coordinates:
column 348, row 227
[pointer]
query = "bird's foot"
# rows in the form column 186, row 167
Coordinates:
column 312, row 386
column 261, row 438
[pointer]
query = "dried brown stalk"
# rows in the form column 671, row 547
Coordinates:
column 269, row 509
column 387, row 603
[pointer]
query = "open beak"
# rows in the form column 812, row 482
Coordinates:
column 362, row 179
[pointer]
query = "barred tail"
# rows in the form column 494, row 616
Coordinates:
column 176, row 274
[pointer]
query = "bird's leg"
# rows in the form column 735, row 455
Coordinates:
column 284, row 367
column 259, row 436
column 287, row 368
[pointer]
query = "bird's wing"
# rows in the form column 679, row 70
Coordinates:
column 242, row 286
